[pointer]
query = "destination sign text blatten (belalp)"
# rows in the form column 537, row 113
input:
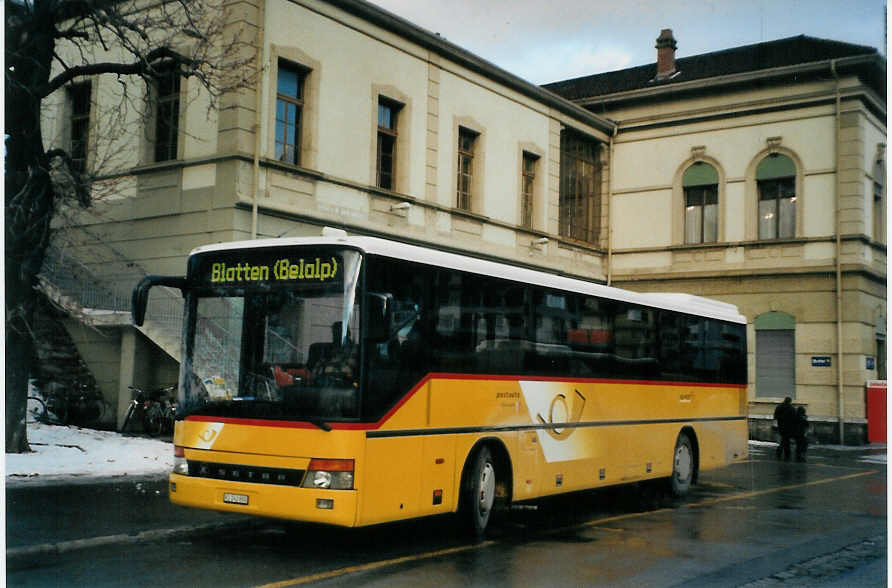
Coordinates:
column 283, row 269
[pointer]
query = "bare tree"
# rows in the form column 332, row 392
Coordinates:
column 51, row 44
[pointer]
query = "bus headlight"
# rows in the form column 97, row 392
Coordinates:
column 329, row 474
column 180, row 465
column 322, row 479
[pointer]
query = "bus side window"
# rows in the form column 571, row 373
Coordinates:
column 501, row 334
column 680, row 346
column 733, row 358
column 397, row 363
column 457, row 304
column 671, row 331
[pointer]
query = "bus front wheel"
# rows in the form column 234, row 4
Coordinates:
column 480, row 491
column 683, row 466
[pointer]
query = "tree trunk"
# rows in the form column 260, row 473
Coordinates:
column 28, row 203
column 18, row 355
column 27, row 235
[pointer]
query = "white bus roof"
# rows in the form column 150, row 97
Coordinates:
column 686, row 303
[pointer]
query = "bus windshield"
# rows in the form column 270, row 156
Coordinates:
column 273, row 336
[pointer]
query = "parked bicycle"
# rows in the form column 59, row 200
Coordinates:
column 80, row 404
column 156, row 410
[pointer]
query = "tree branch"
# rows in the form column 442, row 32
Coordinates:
column 140, row 68
column 71, row 34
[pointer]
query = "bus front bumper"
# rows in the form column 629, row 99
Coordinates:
column 332, row 507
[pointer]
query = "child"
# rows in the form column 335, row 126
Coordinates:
column 801, row 433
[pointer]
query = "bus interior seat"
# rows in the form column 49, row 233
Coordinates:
column 317, row 352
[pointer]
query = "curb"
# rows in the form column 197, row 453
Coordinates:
column 20, row 554
column 17, row 482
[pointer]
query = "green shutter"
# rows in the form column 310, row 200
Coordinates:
column 774, row 321
column 775, row 166
column 700, row 174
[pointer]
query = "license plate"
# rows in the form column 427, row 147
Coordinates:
column 230, row 498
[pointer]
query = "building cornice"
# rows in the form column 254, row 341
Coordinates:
column 780, row 272
column 760, row 244
column 311, row 174
column 756, row 107
column 364, row 230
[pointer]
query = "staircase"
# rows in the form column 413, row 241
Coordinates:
column 58, row 364
column 99, row 302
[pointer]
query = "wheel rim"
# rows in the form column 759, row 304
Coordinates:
column 683, row 462
column 487, row 488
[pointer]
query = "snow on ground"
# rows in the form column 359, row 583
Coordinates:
column 762, row 443
column 878, row 456
column 65, row 453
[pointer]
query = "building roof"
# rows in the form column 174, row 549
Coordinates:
column 758, row 57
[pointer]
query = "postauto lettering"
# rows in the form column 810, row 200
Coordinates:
column 282, row 269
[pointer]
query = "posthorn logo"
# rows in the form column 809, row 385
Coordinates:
column 559, row 413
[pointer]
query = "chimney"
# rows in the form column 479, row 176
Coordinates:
column 666, row 45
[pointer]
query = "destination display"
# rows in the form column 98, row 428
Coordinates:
column 282, row 269
column 253, row 267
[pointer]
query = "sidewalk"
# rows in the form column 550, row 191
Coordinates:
column 82, row 488
column 58, row 517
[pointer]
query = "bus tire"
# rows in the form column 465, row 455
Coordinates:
column 683, row 466
column 481, row 491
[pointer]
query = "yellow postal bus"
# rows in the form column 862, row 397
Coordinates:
column 355, row 380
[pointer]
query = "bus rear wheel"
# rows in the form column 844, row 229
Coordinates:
column 683, row 466
column 480, row 491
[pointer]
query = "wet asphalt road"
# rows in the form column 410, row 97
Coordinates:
column 758, row 523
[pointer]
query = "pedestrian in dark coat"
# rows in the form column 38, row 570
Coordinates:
column 785, row 415
column 801, row 433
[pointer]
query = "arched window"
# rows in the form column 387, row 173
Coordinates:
column 776, row 180
column 701, row 203
column 775, row 355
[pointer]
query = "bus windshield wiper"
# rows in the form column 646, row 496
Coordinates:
column 320, row 423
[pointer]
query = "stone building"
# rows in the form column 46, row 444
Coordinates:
column 647, row 179
column 756, row 175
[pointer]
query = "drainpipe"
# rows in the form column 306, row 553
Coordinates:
column 838, row 189
column 258, row 97
column 609, row 203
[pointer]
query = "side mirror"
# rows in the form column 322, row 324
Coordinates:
column 379, row 316
column 140, row 297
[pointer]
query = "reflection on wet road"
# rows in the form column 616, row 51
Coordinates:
column 740, row 524
column 755, row 523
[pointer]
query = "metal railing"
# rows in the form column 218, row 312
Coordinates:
column 72, row 283
column 81, row 292
column 74, row 280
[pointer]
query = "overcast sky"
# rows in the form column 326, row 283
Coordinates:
column 561, row 39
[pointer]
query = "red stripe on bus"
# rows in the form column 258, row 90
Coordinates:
column 446, row 376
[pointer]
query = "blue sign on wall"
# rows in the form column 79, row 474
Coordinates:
column 870, row 363
column 821, row 361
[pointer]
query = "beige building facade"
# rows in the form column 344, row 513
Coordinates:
column 363, row 121
column 756, row 176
